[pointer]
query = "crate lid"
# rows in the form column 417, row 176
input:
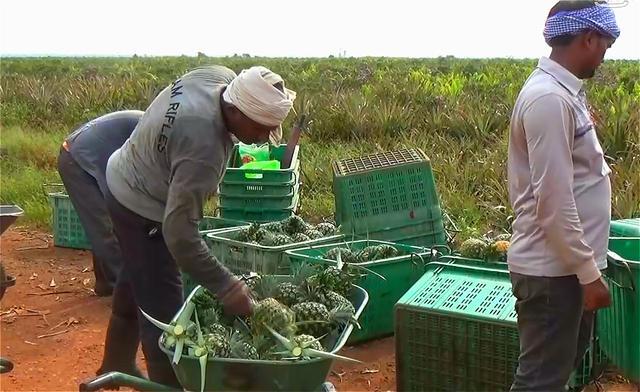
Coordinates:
column 466, row 291
column 378, row 160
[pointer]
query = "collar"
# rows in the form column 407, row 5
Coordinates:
column 561, row 74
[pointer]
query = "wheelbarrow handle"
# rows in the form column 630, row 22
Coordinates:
column 113, row 380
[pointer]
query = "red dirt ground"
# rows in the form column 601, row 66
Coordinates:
column 53, row 294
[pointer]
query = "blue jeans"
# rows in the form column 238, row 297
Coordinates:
column 554, row 330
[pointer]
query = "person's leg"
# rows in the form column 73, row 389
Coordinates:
column 88, row 201
column 154, row 281
column 123, row 333
column 549, row 313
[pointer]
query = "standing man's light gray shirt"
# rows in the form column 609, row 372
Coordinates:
column 559, row 183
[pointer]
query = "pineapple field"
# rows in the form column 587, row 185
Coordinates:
column 456, row 110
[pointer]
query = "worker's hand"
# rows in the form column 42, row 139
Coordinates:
column 236, row 299
column 596, row 295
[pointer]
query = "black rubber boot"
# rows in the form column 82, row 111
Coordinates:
column 121, row 347
column 160, row 371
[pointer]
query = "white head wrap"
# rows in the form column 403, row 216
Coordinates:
column 253, row 93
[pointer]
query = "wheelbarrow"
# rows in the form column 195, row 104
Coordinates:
column 8, row 215
column 226, row 374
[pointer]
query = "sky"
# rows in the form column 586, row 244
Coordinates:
column 283, row 28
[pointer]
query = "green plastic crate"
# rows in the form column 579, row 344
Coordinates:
column 400, row 273
column 241, row 188
column 390, row 193
column 261, row 215
column 208, row 224
column 255, row 203
column 619, row 324
column 426, row 233
column 224, row 374
column 242, row 258
column 626, row 247
column 288, row 175
column 68, row 231
column 625, row 228
column 456, row 331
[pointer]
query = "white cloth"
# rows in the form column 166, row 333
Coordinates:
column 253, row 93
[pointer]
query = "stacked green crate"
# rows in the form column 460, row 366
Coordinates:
column 456, row 330
column 389, row 196
column 258, row 195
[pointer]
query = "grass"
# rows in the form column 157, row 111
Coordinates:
column 456, row 110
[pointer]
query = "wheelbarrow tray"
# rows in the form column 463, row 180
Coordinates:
column 225, row 374
column 8, row 214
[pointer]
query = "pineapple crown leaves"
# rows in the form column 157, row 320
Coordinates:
column 201, row 352
column 302, row 273
column 266, row 287
column 304, row 351
column 343, row 315
column 341, row 266
column 178, row 331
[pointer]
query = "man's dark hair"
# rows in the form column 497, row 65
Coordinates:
column 568, row 5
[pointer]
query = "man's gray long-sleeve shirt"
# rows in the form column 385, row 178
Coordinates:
column 175, row 157
column 91, row 144
column 558, row 180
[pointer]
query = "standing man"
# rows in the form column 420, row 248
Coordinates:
column 157, row 184
column 82, row 163
column 561, row 195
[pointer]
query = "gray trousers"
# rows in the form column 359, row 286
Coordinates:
column 87, row 198
column 554, row 331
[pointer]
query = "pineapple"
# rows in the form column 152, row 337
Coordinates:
column 314, row 318
column 293, row 224
column 287, row 293
column 326, row 228
column 313, row 233
column 267, row 239
column 273, row 227
column 365, row 254
column 347, row 255
column 502, row 237
column 300, row 237
column 248, row 234
column 473, row 248
column 252, row 283
column 260, row 234
column 385, row 251
column 269, row 312
column 307, row 341
column 217, row 345
column 240, row 348
column 334, row 300
column 281, row 239
column 497, row 251
column 335, row 279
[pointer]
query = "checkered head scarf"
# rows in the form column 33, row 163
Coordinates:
column 598, row 18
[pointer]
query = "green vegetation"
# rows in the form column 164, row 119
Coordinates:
column 456, row 110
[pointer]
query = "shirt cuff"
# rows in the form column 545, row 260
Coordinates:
column 588, row 273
